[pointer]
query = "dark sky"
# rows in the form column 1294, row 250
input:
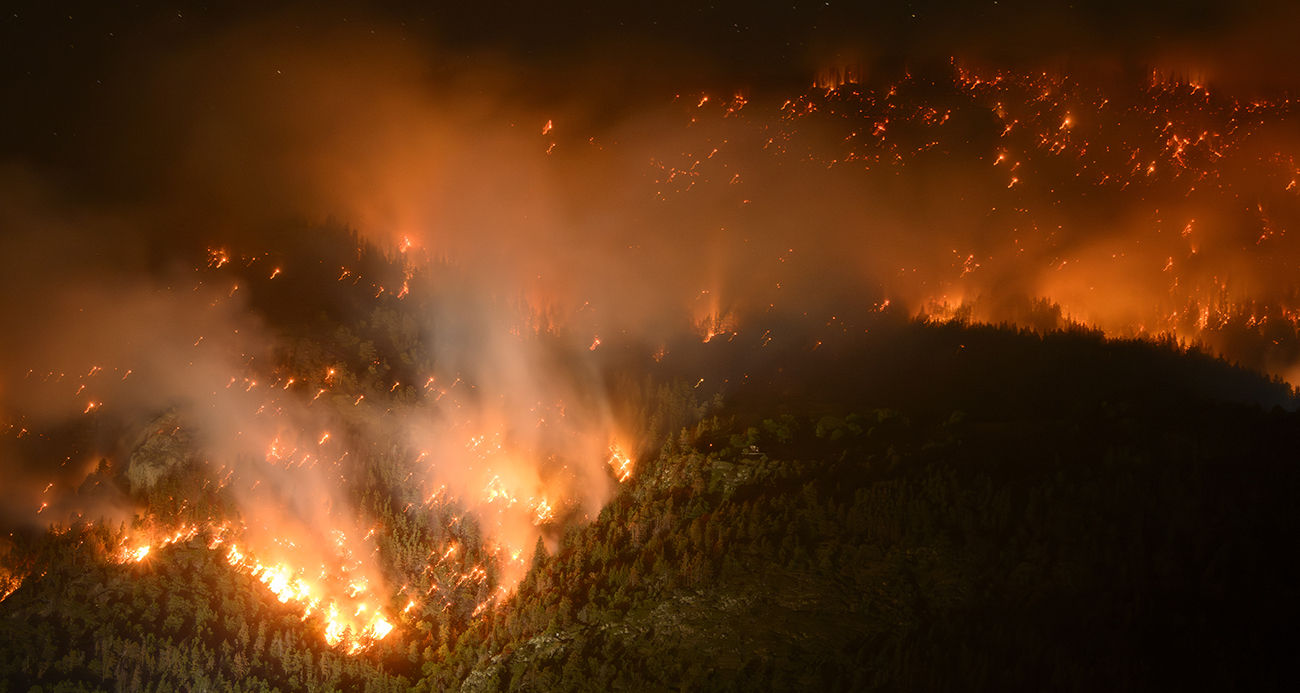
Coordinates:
column 64, row 64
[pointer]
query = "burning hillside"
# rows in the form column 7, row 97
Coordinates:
column 486, row 338
column 371, row 327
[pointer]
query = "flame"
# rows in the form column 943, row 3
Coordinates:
column 495, row 490
column 9, row 582
column 334, row 628
column 543, row 512
column 309, row 591
column 379, row 628
column 357, row 630
column 620, row 462
column 135, row 551
column 716, row 325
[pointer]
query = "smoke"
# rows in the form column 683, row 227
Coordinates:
column 107, row 347
column 555, row 217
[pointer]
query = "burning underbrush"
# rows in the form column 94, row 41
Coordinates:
column 371, row 476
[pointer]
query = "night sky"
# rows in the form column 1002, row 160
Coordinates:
column 71, row 70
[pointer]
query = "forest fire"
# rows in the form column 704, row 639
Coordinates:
column 418, row 396
column 139, row 552
column 349, row 616
column 481, row 347
column 356, row 628
column 531, row 431
column 620, row 462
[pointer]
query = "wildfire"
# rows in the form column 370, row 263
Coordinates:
column 714, row 325
column 620, row 462
column 496, row 490
column 137, row 553
column 10, row 581
column 543, row 512
column 379, row 629
column 357, row 629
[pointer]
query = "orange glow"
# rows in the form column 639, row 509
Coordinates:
column 620, row 462
column 651, row 236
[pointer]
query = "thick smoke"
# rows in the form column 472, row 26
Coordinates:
column 572, row 226
column 158, row 369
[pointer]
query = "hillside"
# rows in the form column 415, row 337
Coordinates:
column 409, row 347
column 1115, row 547
column 1055, row 511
